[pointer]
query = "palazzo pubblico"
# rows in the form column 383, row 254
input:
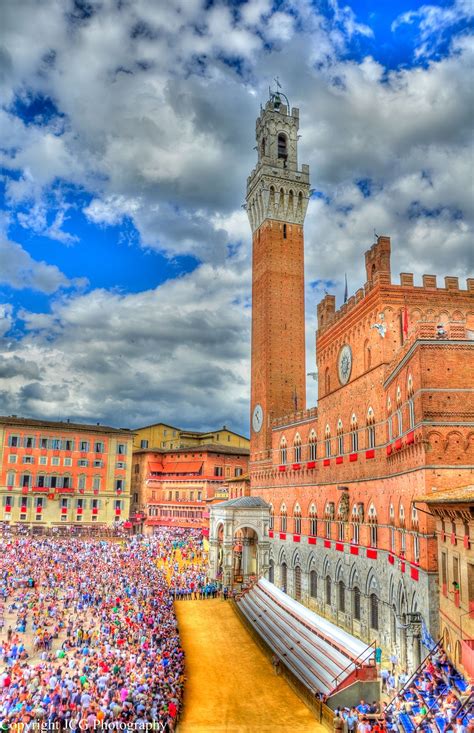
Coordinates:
column 336, row 516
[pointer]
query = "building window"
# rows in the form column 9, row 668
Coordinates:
column 84, row 446
column 313, row 522
column 372, row 526
column 340, row 531
column 328, row 590
column 272, row 517
column 28, row 459
column 341, row 592
column 354, row 435
column 356, row 603
column 14, row 441
column 374, row 612
column 68, row 444
column 340, row 438
column 98, row 447
column 399, row 421
column 82, row 482
column 44, row 443
column 143, row 444
column 121, row 449
column 297, row 449
column 218, row 471
column 297, row 519
column 327, row 441
column 26, row 480
column 11, row 478
column 55, row 460
column 284, row 231
column 56, row 444
column 312, row 446
column 283, row 452
column 313, row 584
column 68, row 461
column 118, row 484
column 12, row 458
column 43, row 460
column 238, row 471
column 416, row 548
column 96, row 483
column 83, row 462
column 282, row 147
column 283, row 519
column 327, row 381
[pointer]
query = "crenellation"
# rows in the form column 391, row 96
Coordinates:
column 326, row 311
column 406, row 279
column 377, row 260
column 451, row 283
column 360, row 293
column 470, row 284
column 429, row 282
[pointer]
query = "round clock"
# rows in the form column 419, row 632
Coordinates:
column 344, row 364
column 257, row 418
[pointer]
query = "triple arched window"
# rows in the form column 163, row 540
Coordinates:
column 297, row 448
column 370, row 428
column 312, row 446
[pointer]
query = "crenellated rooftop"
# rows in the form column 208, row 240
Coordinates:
column 377, row 263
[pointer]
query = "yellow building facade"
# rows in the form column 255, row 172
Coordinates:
column 167, row 437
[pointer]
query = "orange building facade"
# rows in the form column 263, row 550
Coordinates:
column 62, row 473
column 394, row 417
column 176, row 487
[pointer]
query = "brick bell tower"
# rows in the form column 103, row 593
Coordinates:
column 277, row 199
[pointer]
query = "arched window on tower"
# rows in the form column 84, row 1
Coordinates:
column 282, row 147
column 354, row 435
column 367, row 356
column 283, row 452
column 272, row 517
column 297, row 448
column 312, row 446
column 297, row 519
column 264, row 145
column 313, row 521
column 370, row 428
column 327, row 441
column 283, row 520
column 327, row 381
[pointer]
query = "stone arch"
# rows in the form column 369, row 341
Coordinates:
column 296, row 559
column 339, row 573
column 372, row 584
column 354, row 576
column 311, row 562
column 282, row 556
column 248, row 525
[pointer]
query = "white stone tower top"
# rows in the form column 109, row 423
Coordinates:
column 276, row 189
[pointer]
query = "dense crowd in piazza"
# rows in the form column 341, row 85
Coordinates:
column 89, row 632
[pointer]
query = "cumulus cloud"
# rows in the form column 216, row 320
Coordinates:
column 19, row 270
column 180, row 350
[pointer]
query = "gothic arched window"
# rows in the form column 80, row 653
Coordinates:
column 297, row 448
column 312, row 446
column 283, row 451
column 374, row 612
column 297, row 519
column 283, row 518
column 282, row 146
column 356, row 609
column 370, row 428
column 313, row 584
column 313, row 521
column 354, row 435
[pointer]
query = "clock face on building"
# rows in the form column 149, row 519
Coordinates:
column 344, row 364
column 257, row 418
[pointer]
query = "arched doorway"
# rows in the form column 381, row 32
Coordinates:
column 245, row 553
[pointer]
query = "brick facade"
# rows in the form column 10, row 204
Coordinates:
column 341, row 478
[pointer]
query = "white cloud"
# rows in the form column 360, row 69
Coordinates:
column 19, row 270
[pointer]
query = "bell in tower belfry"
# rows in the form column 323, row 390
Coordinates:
column 277, row 199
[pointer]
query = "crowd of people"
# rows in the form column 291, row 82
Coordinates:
column 88, row 632
column 435, row 699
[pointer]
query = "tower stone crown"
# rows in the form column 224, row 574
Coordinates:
column 276, row 189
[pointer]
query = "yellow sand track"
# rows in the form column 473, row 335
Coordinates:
column 230, row 684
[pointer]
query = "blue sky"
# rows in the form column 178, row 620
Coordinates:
column 127, row 138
